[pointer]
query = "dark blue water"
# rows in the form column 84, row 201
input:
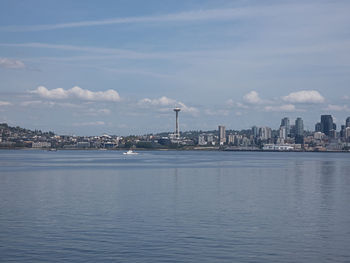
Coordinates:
column 102, row 206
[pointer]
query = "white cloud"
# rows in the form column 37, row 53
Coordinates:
column 331, row 107
column 78, row 93
column 304, row 96
column 184, row 108
column 162, row 101
column 5, row 103
column 11, row 63
column 252, row 98
column 282, row 108
column 167, row 102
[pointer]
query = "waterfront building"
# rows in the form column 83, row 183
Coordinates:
column 222, row 135
column 327, row 124
column 83, row 145
column 41, row 145
column 276, row 147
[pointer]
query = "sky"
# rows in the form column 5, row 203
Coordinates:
column 121, row 66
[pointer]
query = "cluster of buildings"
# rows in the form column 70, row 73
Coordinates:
column 289, row 136
column 16, row 137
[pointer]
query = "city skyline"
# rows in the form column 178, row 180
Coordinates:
column 121, row 67
column 289, row 137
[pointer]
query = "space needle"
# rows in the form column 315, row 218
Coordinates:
column 177, row 131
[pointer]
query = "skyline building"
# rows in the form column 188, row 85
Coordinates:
column 265, row 133
column 342, row 131
column 283, row 132
column 286, row 123
column 222, row 135
column 318, row 127
column 347, row 122
column 347, row 133
column 255, row 131
column 299, row 127
column 231, row 139
column 327, row 124
column 299, row 130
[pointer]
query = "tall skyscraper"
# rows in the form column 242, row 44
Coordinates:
column 222, row 135
column 299, row 127
column 326, row 124
column 285, row 122
column 255, row 131
column 342, row 131
column 347, row 122
column 299, row 130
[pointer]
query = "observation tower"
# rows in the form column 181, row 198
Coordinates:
column 177, row 131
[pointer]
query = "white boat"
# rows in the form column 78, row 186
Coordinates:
column 130, row 152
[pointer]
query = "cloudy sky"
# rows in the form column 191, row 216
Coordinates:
column 119, row 67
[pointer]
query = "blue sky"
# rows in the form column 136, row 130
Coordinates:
column 119, row 67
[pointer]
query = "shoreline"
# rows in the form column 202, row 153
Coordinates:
column 196, row 149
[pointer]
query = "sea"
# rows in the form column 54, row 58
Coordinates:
column 174, row 206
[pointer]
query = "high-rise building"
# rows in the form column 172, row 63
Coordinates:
column 333, row 134
column 265, row 133
column 299, row 127
column 231, row 139
column 347, row 122
column 286, row 123
column 318, row 127
column 299, row 130
column 347, row 133
column 283, row 132
column 326, row 124
column 255, row 131
column 222, row 135
column 342, row 131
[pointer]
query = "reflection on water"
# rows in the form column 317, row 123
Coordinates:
column 86, row 206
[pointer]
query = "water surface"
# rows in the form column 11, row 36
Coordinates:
column 174, row 206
